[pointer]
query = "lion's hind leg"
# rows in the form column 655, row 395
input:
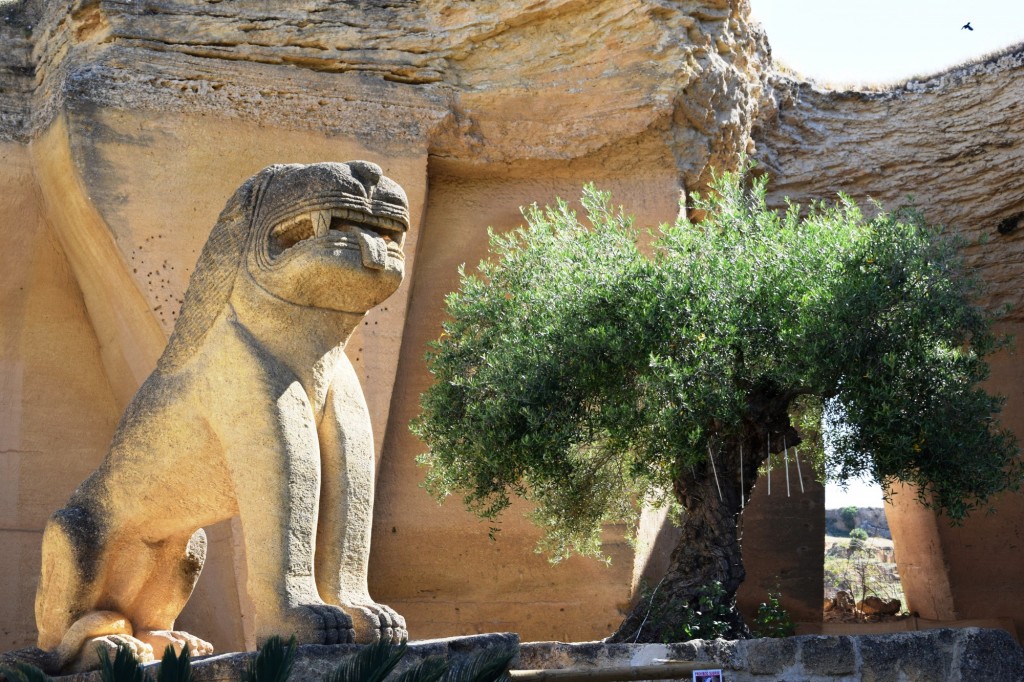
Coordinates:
column 75, row 563
column 105, row 587
column 74, row 554
column 176, row 562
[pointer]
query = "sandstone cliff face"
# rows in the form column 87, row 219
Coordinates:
column 952, row 144
column 484, row 82
column 16, row 71
column 136, row 120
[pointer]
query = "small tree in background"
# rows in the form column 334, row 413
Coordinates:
column 578, row 373
column 858, row 540
column 849, row 517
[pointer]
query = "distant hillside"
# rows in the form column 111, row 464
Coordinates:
column 839, row 522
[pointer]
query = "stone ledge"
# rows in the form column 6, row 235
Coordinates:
column 961, row 655
column 951, row 655
column 314, row 661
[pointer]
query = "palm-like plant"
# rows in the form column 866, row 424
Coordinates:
column 370, row 664
column 175, row 668
column 273, row 663
column 24, row 672
column 489, row 665
column 124, row 668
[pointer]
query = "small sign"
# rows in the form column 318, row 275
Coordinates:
column 707, row 676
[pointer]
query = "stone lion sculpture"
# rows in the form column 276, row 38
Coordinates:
column 254, row 410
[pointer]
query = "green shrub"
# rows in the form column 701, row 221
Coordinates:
column 849, row 516
column 708, row 618
column 858, row 541
column 772, row 620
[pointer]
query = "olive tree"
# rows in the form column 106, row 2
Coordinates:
column 581, row 373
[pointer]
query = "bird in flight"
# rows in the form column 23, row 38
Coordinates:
column 967, row 26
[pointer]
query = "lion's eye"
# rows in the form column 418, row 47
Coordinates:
column 288, row 234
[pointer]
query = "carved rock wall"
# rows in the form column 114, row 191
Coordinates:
column 953, row 143
column 131, row 123
column 56, row 404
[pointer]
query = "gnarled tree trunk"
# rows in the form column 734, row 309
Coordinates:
column 709, row 547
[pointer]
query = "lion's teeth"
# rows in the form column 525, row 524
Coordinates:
column 321, row 221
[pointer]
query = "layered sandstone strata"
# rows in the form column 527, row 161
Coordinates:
column 127, row 125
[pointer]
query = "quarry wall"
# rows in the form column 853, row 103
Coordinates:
column 952, row 145
column 125, row 126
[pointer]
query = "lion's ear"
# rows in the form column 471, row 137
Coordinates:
column 213, row 278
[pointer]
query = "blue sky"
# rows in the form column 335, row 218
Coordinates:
column 871, row 41
column 875, row 41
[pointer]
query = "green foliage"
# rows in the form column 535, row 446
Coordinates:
column 708, row 618
column 585, row 376
column 175, row 668
column 430, row 669
column 372, row 663
column 124, row 668
column 849, row 516
column 772, row 620
column 24, row 672
column 487, row 665
column 273, row 662
column 858, row 541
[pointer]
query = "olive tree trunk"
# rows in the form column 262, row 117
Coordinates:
column 709, row 551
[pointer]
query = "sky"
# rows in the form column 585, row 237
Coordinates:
column 876, row 41
column 847, row 42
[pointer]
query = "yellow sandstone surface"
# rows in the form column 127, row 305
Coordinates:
column 134, row 124
column 124, row 127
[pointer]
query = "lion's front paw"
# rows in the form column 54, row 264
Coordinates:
column 161, row 639
column 89, row 658
column 374, row 622
column 320, row 624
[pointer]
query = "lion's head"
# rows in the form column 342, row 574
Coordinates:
column 324, row 235
column 330, row 235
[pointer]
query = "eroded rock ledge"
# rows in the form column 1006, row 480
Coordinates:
column 483, row 81
column 952, row 144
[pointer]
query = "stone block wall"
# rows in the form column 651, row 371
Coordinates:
column 966, row 655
